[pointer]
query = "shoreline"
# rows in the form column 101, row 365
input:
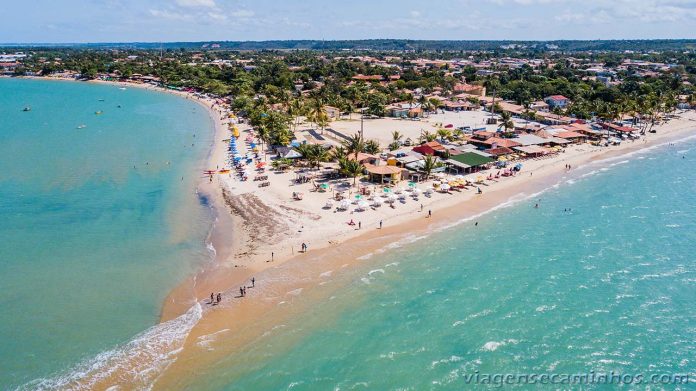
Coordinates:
column 336, row 248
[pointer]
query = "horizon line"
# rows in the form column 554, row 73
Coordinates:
column 345, row 40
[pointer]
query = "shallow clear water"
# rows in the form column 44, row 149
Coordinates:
column 606, row 286
column 90, row 244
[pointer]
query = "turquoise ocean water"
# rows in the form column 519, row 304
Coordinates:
column 90, row 244
column 607, row 286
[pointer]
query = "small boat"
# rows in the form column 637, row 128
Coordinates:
column 98, row 112
column 82, row 126
column 122, row 88
column 26, row 108
column 101, row 100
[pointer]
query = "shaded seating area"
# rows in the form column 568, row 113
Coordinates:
column 469, row 162
column 385, row 174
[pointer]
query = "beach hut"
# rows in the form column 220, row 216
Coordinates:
column 384, row 174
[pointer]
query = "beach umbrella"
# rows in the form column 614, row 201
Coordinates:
column 358, row 196
column 391, row 198
column 412, row 184
column 417, row 191
column 362, row 205
column 324, row 186
column 445, row 187
column 344, row 204
column 378, row 201
column 387, row 190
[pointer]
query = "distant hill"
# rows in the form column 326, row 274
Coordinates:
column 397, row 45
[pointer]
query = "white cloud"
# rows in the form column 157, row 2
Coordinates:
column 164, row 14
column 242, row 14
column 196, row 3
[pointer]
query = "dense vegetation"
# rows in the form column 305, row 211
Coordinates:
column 273, row 88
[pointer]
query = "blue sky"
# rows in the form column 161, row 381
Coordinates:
column 203, row 20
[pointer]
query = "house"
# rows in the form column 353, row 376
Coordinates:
column 532, row 150
column 430, row 148
column 405, row 109
column 539, row 105
column 572, row 136
column 469, row 162
column 557, row 101
column 459, row 106
column 530, row 139
column 388, row 174
column 584, row 129
column 493, row 142
column 364, row 158
column 499, row 151
column 618, row 128
column 402, row 157
column 470, row 89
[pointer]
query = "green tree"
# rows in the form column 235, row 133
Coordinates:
column 372, row 147
column 430, row 163
column 354, row 145
column 351, row 168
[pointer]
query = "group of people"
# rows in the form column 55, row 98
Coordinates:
column 216, row 299
column 243, row 289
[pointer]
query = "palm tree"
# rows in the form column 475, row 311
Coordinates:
column 295, row 110
column 429, row 164
column 506, row 121
column 444, row 134
column 354, row 145
column 426, row 137
column 313, row 153
column 396, row 140
column 372, row 147
column 351, row 168
column 339, row 153
column 396, row 136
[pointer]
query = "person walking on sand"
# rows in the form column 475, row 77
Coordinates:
column 359, row 224
column 421, row 207
column 430, row 213
column 380, row 224
column 253, row 282
column 219, row 297
column 212, row 298
column 241, row 292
